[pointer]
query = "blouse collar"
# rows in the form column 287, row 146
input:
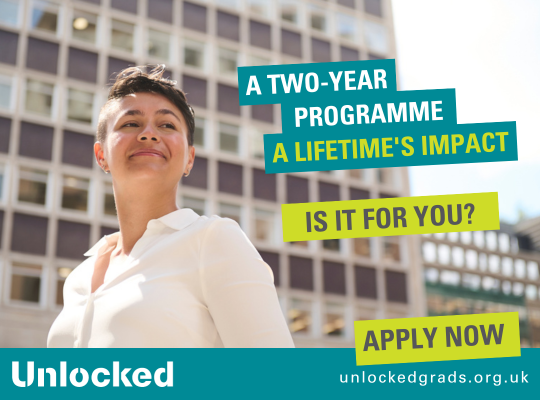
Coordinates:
column 178, row 220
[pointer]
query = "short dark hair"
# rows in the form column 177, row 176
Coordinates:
column 136, row 80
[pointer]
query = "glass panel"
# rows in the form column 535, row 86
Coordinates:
column 331, row 244
column 259, row 7
column 194, row 54
column 458, row 256
column 32, row 186
column 429, row 252
column 122, row 35
column 334, row 320
column 39, row 97
column 25, row 282
column 80, row 104
column 158, row 44
column 5, row 92
column 385, row 176
column 299, row 316
column 356, row 174
column 198, row 135
column 229, row 138
column 63, row 273
column 44, row 16
column 75, row 193
column 346, row 26
column 264, row 225
column 362, row 247
column 256, row 61
column 257, row 144
column 228, row 61
column 376, row 37
column 318, row 19
column 197, row 205
column 84, row 26
column 109, row 206
column 230, row 211
column 1, row 181
column 9, row 12
column 289, row 11
column 391, row 248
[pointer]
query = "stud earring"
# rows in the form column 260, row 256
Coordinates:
column 187, row 173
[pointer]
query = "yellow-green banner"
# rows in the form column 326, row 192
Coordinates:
column 390, row 217
column 456, row 337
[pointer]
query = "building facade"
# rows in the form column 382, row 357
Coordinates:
column 56, row 59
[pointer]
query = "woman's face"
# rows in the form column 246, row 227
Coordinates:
column 147, row 140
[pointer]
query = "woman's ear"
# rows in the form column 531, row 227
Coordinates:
column 191, row 160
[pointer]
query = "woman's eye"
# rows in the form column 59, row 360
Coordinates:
column 131, row 124
column 170, row 126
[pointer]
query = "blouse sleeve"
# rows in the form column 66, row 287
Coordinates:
column 239, row 291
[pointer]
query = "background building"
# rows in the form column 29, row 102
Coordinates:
column 481, row 272
column 56, row 58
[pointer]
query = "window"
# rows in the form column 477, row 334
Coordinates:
column 42, row 55
column 264, row 225
column 195, row 89
column 297, row 189
column 80, row 105
column 362, row 247
column 259, row 7
column 122, row 35
column 328, row 192
column 228, row 99
column 197, row 205
column 358, row 194
column 194, row 17
column 320, row 50
column 29, row 234
column 75, row 193
column 365, row 280
column 356, row 174
column 162, row 10
column 429, row 252
column 385, row 176
column 199, row 174
column 301, row 273
column 478, row 238
column 129, row 6
column 348, row 54
column 272, row 259
column 115, row 65
column 396, row 286
column 44, row 16
column 198, row 134
column 466, row 237
column 263, row 112
column 158, row 44
column 256, row 144
column 504, row 242
column 25, row 282
column 109, row 205
column 39, row 97
column 84, row 26
column 32, row 186
column 260, row 35
column 346, row 25
column 376, row 37
column 458, row 256
column 347, row 3
column 77, row 149
column 231, row 211
column 2, row 175
column 82, row 65
column 289, row 11
column 61, row 274
column 36, row 141
column 334, row 277
column 519, row 266
column 256, row 61
column 9, row 12
column 299, row 316
column 334, row 320
column 373, row 7
column 194, row 54
column 317, row 19
column 507, row 266
column 10, row 44
column 229, row 138
column 264, row 185
column 228, row 3
column 227, row 62
column 331, row 244
column 532, row 269
column 391, row 248
column 72, row 239
column 230, row 178
column 291, row 43
column 6, row 83
column 228, row 26
column 444, row 254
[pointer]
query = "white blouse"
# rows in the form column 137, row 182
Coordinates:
column 190, row 281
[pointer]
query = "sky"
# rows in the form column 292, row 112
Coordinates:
column 489, row 51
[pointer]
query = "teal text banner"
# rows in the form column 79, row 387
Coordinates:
column 389, row 146
column 273, row 84
column 351, row 112
column 259, row 374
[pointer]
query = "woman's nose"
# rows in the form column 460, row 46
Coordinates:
column 148, row 135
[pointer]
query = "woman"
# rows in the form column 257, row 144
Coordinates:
column 169, row 277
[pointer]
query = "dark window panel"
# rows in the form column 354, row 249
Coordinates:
column 129, row 6
column 264, row 185
column 260, row 35
column 297, row 189
column 194, row 17
column 195, row 89
column 105, row 230
column 161, row 10
column 29, row 234
column 373, row 7
column 347, row 3
column 272, row 259
column 42, row 55
column 334, row 277
column 5, row 134
column 396, row 286
column 291, row 43
column 386, row 196
column 78, row 149
column 320, row 50
column 230, row 178
column 82, row 65
column 263, row 112
column 115, row 65
column 375, row 57
column 92, row 1
column 10, row 43
column 358, row 194
column 348, row 54
column 228, row 100
column 198, row 177
column 301, row 273
column 36, row 141
column 328, row 192
column 365, row 282
column 228, row 26
column 1, row 226
column 73, row 239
